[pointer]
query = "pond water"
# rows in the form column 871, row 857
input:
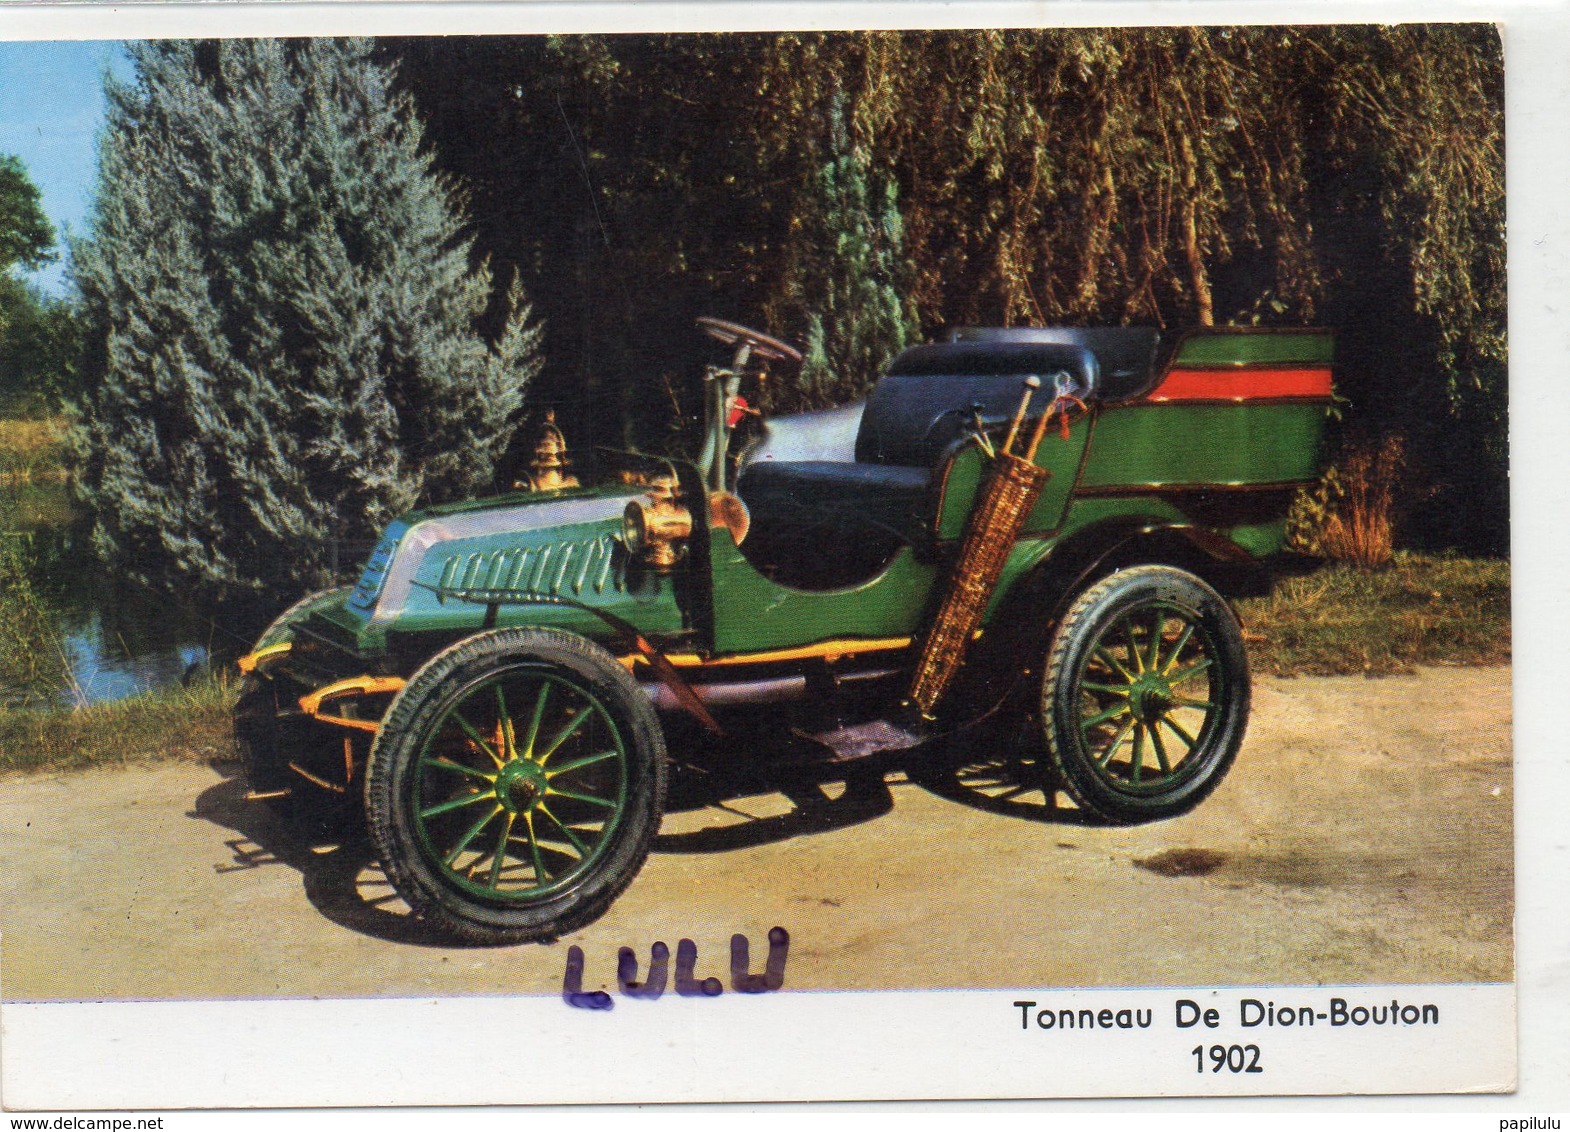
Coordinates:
column 105, row 668
column 121, row 640
column 116, row 641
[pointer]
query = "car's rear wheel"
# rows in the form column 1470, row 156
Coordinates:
column 515, row 785
column 1145, row 695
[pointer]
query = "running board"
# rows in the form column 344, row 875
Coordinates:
column 863, row 740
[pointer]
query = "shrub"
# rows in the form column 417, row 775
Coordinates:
column 33, row 665
column 847, row 276
column 1349, row 515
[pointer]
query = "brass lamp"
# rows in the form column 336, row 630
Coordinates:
column 548, row 468
column 657, row 527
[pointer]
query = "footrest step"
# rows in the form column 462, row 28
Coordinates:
column 863, row 740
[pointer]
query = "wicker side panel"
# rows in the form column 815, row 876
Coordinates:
column 1005, row 500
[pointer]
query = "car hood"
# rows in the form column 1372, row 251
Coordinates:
column 446, row 545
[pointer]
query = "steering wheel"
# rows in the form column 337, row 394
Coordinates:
column 734, row 334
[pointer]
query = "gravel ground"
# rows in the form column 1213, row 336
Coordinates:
column 1363, row 836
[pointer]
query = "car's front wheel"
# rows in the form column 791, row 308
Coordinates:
column 300, row 773
column 515, row 785
column 1145, row 694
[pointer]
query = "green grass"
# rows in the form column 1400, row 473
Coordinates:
column 176, row 723
column 1421, row 610
column 34, row 493
column 32, row 652
column 31, row 450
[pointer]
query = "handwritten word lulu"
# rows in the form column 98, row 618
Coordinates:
column 687, row 983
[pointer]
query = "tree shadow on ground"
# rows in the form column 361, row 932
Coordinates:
column 759, row 786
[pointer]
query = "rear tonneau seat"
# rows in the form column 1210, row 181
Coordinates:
column 928, row 400
column 1125, row 355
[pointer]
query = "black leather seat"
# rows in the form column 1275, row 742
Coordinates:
column 885, row 499
column 1125, row 355
column 932, row 395
column 840, row 520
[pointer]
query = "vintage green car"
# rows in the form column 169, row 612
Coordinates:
column 1023, row 536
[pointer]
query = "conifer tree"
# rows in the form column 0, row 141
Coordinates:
column 847, row 275
column 286, row 347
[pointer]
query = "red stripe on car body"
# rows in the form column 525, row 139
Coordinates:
column 1241, row 384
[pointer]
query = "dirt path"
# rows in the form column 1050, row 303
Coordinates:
column 1364, row 836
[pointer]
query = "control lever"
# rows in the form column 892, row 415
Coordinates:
column 1031, row 384
column 981, row 429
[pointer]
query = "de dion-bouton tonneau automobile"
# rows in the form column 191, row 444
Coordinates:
column 1022, row 536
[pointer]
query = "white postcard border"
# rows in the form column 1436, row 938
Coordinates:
column 917, row 1044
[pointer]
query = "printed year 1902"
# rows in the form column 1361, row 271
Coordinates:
column 1228, row 1059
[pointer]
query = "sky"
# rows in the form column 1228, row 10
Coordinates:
column 51, row 108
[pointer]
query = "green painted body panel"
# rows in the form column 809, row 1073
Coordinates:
column 965, row 473
column 1260, row 539
column 581, row 563
column 563, row 545
column 1060, row 457
column 1089, row 512
column 1029, row 553
column 567, row 544
column 753, row 614
column 1259, row 443
column 1307, row 347
column 354, row 623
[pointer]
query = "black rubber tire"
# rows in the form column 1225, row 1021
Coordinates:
column 1121, row 603
column 419, row 710
column 255, row 730
column 278, row 630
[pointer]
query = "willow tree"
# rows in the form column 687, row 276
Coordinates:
column 1167, row 176
column 286, row 346
column 1072, row 175
column 1189, row 176
column 1412, row 218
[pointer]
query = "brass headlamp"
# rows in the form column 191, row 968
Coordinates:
column 548, row 468
column 656, row 528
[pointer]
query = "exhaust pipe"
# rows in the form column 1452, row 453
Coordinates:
column 780, row 689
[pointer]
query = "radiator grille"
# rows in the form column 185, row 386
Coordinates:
column 569, row 568
column 369, row 587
